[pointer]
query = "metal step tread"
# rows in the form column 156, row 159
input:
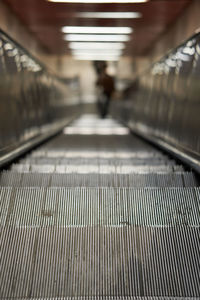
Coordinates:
column 12, row 179
column 84, row 143
column 109, row 298
column 55, row 262
column 85, row 168
column 63, row 241
column 97, row 161
column 100, row 207
column 100, row 153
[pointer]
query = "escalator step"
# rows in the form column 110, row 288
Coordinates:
column 73, row 153
column 100, row 207
column 97, row 161
column 99, row 217
column 104, row 169
column 115, row 262
column 127, row 143
column 8, row 178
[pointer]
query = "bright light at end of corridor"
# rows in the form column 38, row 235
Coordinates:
column 110, row 15
column 96, row 38
column 99, row 1
column 96, row 131
column 97, row 30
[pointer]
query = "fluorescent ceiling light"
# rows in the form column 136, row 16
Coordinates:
column 97, row 30
column 99, row 1
column 96, row 38
column 110, row 15
column 96, row 52
column 103, row 46
column 94, row 57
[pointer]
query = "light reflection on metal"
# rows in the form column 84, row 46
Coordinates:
column 33, row 101
column 189, row 50
column 165, row 107
column 8, row 46
column 171, row 62
column 198, row 49
column 183, row 57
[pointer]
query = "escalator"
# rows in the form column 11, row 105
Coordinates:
column 98, row 213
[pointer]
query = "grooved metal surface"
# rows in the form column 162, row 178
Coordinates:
column 96, row 153
column 12, row 179
column 107, row 298
column 89, row 168
column 111, row 298
column 99, row 217
column 99, row 206
column 100, row 261
column 97, row 161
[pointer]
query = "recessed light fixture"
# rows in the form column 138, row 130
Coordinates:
column 97, row 30
column 96, row 38
column 95, row 57
column 103, row 46
column 99, row 1
column 110, row 15
column 97, row 52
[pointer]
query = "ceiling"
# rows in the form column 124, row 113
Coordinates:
column 45, row 19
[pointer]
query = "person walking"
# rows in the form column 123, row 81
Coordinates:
column 107, row 86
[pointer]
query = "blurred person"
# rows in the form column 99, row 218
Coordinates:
column 107, row 87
